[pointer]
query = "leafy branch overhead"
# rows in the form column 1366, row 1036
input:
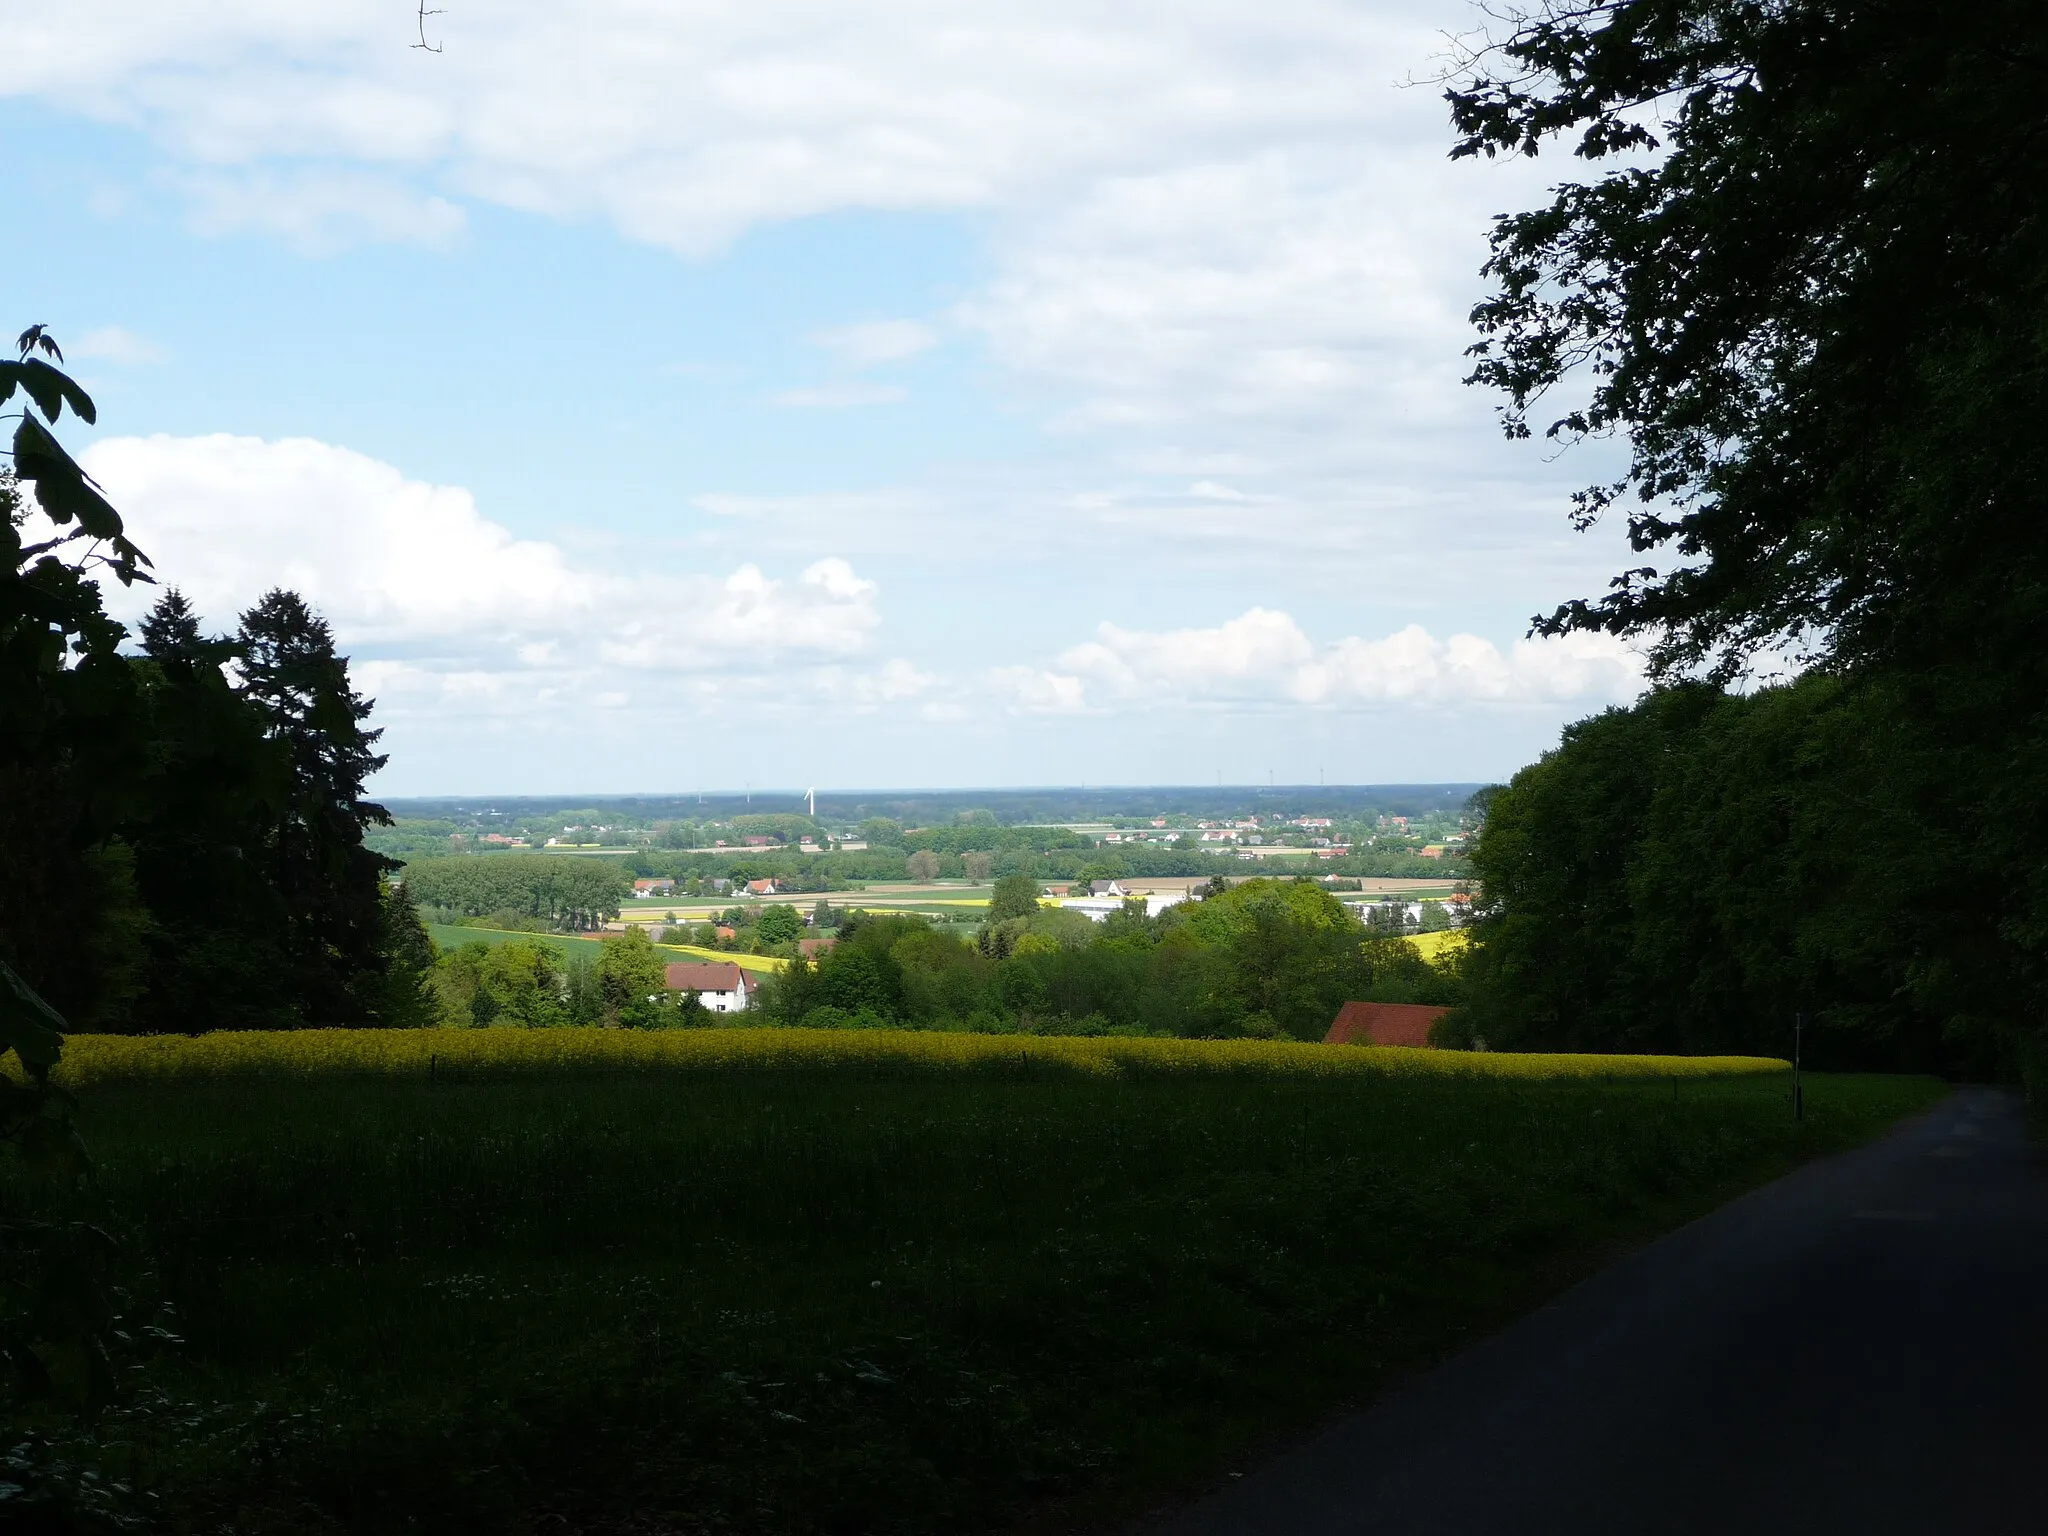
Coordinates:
column 1807, row 288
column 65, row 492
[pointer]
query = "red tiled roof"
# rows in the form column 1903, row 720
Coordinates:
column 1383, row 1024
column 814, row 946
column 704, row 976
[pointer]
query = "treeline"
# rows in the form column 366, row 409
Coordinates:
column 1267, row 958
column 572, row 894
column 1836, row 459
column 1688, row 874
column 835, row 871
column 977, row 836
column 181, row 830
column 529, row 984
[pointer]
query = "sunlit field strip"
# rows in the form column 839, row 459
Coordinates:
column 1434, row 944
column 744, row 962
column 412, row 1052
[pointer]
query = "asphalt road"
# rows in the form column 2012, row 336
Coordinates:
column 1860, row 1347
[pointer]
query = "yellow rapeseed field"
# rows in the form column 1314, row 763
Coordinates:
column 744, row 962
column 414, row 1052
column 1434, row 944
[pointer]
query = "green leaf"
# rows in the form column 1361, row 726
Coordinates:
column 50, row 389
column 63, row 490
column 29, row 1027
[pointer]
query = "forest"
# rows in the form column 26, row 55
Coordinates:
column 1800, row 275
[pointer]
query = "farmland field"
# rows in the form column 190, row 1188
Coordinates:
column 452, row 936
column 759, row 1280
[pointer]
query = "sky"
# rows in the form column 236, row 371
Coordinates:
column 660, row 397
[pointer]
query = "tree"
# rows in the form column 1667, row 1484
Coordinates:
column 405, row 996
column 629, row 972
column 1811, row 293
column 170, row 632
column 218, row 957
column 75, row 763
column 881, row 832
column 74, row 766
column 859, row 979
column 779, row 925
column 1814, row 312
column 1685, row 874
column 330, row 884
column 922, row 865
column 571, row 894
column 1013, row 896
column 977, row 866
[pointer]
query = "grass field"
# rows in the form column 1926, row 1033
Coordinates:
column 779, row 1281
column 452, row 936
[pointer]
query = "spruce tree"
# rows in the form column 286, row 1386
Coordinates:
column 170, row 631
column 332, row 887
column 217, row 932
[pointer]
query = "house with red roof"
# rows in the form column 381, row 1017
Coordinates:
column 1383, row 1024
column 720, row 985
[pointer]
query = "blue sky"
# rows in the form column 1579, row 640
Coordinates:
column 664, row 398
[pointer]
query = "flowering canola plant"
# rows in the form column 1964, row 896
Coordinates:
column 420, row 1052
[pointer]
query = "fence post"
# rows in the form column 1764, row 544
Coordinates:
column 1798, row 1089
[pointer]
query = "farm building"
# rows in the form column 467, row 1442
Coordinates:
column 720, row 985
column 763, row 888
column 1383, row 1024
column 653, row 887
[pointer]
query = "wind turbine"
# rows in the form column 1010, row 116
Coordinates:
column 812, row 796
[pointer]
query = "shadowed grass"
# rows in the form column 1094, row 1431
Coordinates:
column 899, row 1291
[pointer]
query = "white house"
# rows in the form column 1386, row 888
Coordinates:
column 720, row 985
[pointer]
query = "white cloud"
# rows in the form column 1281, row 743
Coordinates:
column 1219, row 215
column 1262, row 656
column 877, row 341
column 414, row 575
column 843, row 395
column 1031, row 690
column 113, row 344
column 319, row 211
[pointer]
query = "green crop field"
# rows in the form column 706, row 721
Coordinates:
column 793, row 1282
column 450, row 936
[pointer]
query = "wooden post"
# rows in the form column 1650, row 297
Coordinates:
column 1798, row 1089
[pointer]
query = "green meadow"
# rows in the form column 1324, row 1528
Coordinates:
column 887, row 1294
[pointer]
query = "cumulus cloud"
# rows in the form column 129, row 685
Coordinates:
column 1030, row 690
column 1263, row 657
column 1217, row 216
column 425, row 587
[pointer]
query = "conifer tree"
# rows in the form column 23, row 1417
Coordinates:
column 330, row 884
column 170, row 630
